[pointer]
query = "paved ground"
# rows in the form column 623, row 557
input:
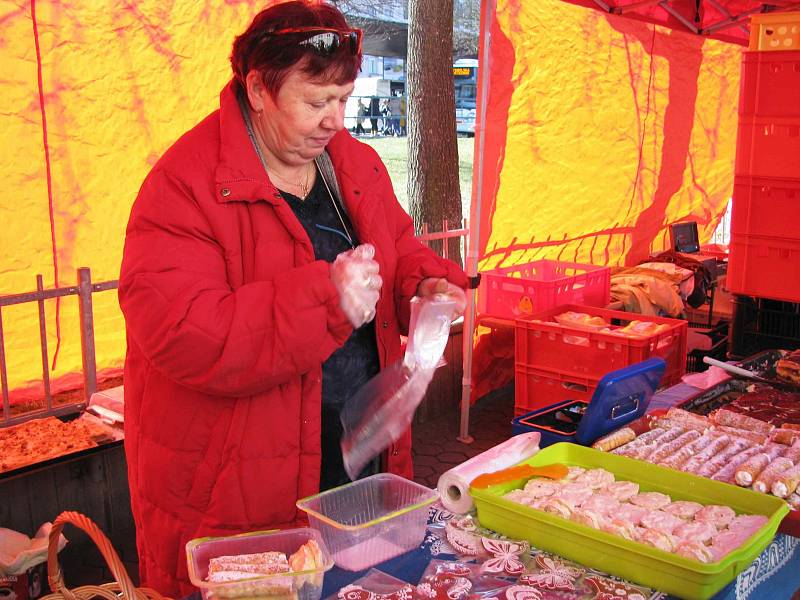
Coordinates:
column 435, row 450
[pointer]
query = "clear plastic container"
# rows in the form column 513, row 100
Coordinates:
column 304, row 585
column 370, row 520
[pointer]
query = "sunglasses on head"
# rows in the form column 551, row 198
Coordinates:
column 322, row 40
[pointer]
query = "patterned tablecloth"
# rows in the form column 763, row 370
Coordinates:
column 504, row 569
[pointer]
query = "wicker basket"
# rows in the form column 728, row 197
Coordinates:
column 122, row 587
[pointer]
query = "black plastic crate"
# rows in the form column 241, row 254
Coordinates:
column 719, row 348
column 761, row 324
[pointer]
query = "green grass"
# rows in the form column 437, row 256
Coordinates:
column 394, row 153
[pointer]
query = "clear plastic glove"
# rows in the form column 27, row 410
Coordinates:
column 435, row 285
column 355, row 275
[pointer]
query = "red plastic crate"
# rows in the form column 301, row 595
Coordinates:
column 766, row 207
column 768, row 147
column 536, row 388
column 542, row 343
column 770, row 84
column 763, row 266
column 521, row 290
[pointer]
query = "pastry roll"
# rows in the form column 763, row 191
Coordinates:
column 787, row 482
column 770, row 475
column 723, row 416
column 669, row 448
column 615, row 439
column 684, row 416
column 727, row 472
column 755, row 437
column 785, row 436
column 669, row 423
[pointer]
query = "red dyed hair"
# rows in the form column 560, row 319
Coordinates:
column 275, row 56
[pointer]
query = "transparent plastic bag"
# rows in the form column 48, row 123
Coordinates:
column 383, row 408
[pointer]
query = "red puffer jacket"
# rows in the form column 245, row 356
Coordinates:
column 229, row 318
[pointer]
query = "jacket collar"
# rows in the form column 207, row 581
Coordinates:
column 240, row 175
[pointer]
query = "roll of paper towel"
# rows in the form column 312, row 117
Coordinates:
column 453, row 485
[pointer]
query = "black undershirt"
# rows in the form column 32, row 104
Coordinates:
column 356, row 362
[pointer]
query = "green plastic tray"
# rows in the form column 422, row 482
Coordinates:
column 630, row 560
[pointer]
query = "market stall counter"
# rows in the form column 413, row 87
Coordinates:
column 773, row 574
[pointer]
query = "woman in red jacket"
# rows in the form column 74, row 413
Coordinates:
column 266, row 276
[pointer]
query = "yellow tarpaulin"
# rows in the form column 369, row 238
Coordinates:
column 115, row 83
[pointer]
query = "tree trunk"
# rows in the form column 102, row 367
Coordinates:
column 433, row 189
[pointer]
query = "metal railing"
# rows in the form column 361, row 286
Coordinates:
column 83, row 290
column 426, row 237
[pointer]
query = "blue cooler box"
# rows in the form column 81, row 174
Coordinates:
column 621, row 397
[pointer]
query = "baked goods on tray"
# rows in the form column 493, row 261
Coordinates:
column 727, row 446
column 42, row 439
column 690, row 529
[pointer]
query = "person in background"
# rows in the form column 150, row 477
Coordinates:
column 266, row 276
column 394, row 112
column 374, row 113
column 362, row 112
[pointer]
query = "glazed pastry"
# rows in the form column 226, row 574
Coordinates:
column 663, row 521
column 539, row 488
column 695, row 531
column 620, row 527
column 749, row 523
column 595, row 478
column 558, row 507
column 695, row 551
column 651, row 500
column 587, row 517
column 622, row 490
column 683, row 508
column 717, row 515
column 602, row 503
column 657, row 538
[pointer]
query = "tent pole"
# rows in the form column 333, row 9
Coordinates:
column 489, row 8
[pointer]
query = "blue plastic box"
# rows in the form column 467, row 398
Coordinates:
column 621, row 397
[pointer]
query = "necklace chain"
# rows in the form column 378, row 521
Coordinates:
column 252, row 134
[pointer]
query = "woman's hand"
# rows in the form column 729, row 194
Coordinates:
column 355, row 275
column 436, row 285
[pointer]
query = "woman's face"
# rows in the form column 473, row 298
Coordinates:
column 298, row 123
